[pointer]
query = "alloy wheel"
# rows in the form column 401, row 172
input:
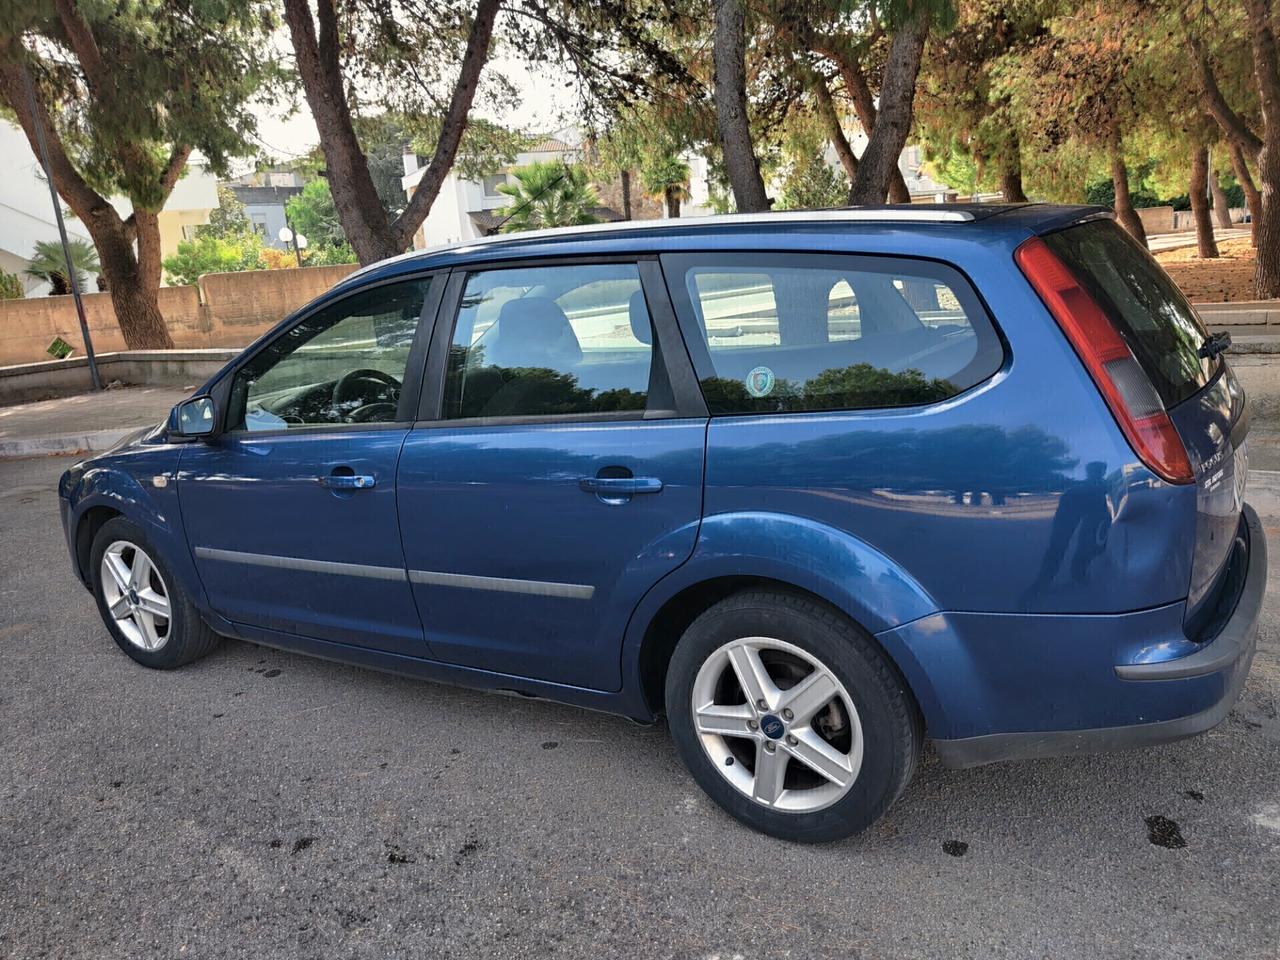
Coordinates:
column 136, row 595
column 778, row 724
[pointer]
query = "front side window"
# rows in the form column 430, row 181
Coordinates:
column 799, row 332
column 552, row 341
column 342, row 364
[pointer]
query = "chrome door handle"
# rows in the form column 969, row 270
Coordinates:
column 339, row 481
column 620, row 486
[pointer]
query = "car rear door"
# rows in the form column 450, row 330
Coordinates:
column 291, row 511
column 1201, row 394
column 556, row 472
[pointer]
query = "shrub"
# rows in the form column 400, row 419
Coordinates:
column 214, row 255
column 10, row 287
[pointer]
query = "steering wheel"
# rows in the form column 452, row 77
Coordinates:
column 347, row 388
column 379, row 411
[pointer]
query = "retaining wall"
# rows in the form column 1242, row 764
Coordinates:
column 221, row 310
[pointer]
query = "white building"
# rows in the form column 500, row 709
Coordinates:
column 27, row 217
column 464, row 209
column 26, row 211
column 467, row 209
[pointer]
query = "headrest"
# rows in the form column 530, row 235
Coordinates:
column 638, row 312
column 534, row 332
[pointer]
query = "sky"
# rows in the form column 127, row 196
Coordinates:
column 545, row 106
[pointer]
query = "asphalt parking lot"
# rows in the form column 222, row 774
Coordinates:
column 259, row 804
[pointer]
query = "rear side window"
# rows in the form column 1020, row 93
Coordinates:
column 798, row 332
column 1145, row 306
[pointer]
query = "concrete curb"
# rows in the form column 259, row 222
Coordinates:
column 63, row 444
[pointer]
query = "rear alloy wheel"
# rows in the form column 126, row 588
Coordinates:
column 795, row 748
column 143, row 604
column 791, row 717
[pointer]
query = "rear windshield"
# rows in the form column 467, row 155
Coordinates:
column 1148, row 310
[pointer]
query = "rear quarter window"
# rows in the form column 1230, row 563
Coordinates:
column 804, row 332
column 1146, row 307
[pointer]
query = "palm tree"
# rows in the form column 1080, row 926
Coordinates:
column 667, row 176
column 50, row 265
column 548, row 195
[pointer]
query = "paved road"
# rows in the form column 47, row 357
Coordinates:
column 1171, row 241
column 263, row 805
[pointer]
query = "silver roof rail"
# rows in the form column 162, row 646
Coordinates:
column 888, row 214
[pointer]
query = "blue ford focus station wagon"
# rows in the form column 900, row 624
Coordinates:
column 812, row 486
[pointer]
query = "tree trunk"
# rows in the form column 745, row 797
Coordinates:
column 1266, row 276
column 1252, row 198
column 1207, row 246
column 134, row 296
column 1125, row 213
column 835, row 131
column 1266, row 70
column 1011, row 177
column 133, row 289
column 363, row 219
column 626, row 194
column 672, row 197
column 729, row 54
column 898, row 192
column 1221, row 207
column 879, row 161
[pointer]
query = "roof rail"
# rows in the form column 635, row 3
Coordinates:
column 896, row 213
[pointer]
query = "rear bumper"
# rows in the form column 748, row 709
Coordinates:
column 1168, row 700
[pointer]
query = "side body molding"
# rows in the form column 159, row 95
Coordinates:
column 829, row 563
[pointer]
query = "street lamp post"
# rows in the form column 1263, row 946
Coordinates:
column 287, row 236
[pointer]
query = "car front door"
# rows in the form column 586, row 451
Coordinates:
column 557, row 475
column 291, row 510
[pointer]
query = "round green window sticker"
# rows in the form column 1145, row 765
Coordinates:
column 760, row 382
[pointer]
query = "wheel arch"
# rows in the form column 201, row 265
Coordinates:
column 806, row 558
column 91, row 521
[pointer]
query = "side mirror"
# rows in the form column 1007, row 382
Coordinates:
column 193, row 418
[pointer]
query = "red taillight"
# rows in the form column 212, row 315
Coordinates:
column 1120, row 378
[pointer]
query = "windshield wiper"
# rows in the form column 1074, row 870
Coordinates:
column 1215, row 344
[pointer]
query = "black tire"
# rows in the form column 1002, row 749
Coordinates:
column 187, row 638
column 891, row 724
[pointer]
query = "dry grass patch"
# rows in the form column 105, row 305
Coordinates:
column 1224, row 280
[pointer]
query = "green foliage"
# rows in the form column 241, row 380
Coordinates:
column 860, row 386
column 811, row 183
column 665, row 176
column 208, row 254
column 953, row 164
column 313, row 215
column 227, row 221
column 1144, row 189
column 10, row 287
column 49, row 263
column 163, row 73
column 486, row 146
column 548, row 195
column 328, row 254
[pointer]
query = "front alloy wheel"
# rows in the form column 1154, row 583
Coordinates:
column 142, row 601
column 136, row 595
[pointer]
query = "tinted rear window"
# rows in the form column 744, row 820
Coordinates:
column 1148, row 310
column 784, row 333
